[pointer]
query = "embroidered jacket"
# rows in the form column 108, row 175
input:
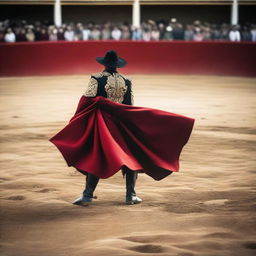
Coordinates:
column 113, row 86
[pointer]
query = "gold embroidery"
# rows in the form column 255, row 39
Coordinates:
column 105, row 73
column 92, row 88
column 97, row 75
column 115, row 88
column 132, row 97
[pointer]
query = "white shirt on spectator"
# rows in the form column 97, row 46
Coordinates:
column 86, row 34
column 69, row 35
column 234, row 35
column 253, row 32
column 116, row 34
column 10, row 37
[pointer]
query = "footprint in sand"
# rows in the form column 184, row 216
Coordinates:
column 3, row 179
column 15, row 197
column 147, row 248
column 45, row 190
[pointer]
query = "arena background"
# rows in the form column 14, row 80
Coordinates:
column 207, row 209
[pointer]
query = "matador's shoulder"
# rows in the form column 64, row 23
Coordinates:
column 97, row 75
column 126, row 77
column 100, row 74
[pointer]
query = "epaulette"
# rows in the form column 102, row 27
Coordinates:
column 97, row 75
column 125, row 77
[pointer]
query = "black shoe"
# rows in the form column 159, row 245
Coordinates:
column 133, row 200
column 131, row 197
column 82, row 200
column 87, row 197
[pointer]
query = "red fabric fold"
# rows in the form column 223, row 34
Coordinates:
column 104, row 136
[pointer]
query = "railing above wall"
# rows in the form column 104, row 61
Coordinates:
column 126, row 2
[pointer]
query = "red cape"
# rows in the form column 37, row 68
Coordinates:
column 103, row 136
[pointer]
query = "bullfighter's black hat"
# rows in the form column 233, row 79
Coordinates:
column 111, row 60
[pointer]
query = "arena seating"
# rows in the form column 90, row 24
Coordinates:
column 64, row 58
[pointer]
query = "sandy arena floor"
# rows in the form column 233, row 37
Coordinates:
column 206, row 209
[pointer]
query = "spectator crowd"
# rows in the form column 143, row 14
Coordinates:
column 22, row 31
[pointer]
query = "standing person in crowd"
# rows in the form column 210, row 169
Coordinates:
column 44, row 35
column 96, row 33
column 246, row 34
column 161, row 29
column 78, row 33
column 53, row 34
column 168, row 35
column 224, row 32
column 37, row 33
column 136, row 33
column 30, row 35
column 234, row 34
column 215, row 35
column 86, row 33
column 155, row 34
column 9, row 37
column 106, row 32
column 1, row 34
column 69, row 34
column 21, row 35
column 126, row 33
column 116, row 33
column 253, row 32
column 189, row 33
column 198, row 36
column 60, row 34
column 207, row 33
column 146, row 33
column 178, row 32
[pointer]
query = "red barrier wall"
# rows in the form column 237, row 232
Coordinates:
column 58, row 58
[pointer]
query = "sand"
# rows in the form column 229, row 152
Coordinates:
column 206, row 209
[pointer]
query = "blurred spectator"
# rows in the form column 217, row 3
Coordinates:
column 9, row 36
column 1, row 35
column 146, row 34
column 253, row 32
column 136, row 34
column 198, row 36
column 224, row 33
column 86, row 33
column 126, row 34
column 96, row 33
column 178, row 32
column 161, row 28
column 215, row 33
column 168, row 35
column 155, row 34
column 21, row 35
column 116, row 33
column 60, row 34
column 44, row 35
column 206, row 33
column 30, row 35
column 246, row 34
column 78, row 33
column 53, row 34
column 189, row 33
column 106, row 32
column 234, row 34
column 69, row 34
